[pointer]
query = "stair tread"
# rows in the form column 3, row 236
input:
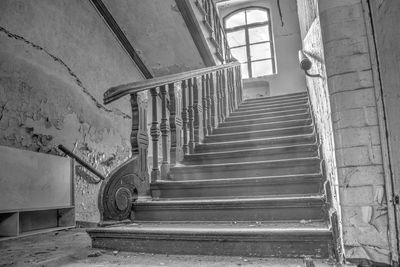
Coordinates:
column 249, row 150
column 274, row 102
column 264, row 124
column 260, row 139
column 260, row 131
column 249, row 121
column 180, row 166
column 292, row 95
column 233, row 180
column 230, row 200
column 294, row 110
column 237, row 229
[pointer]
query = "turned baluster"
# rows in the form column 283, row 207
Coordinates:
column 239, row 85
column 205, row 104
column 219, row 97
column 225, row 94
column 213, row 100
column 197, row 113
column 155, row 133
column 232, row 86
column 164, row 126
column 185, row 145
column 191, row 116
column 175, row 123
column 208, row 101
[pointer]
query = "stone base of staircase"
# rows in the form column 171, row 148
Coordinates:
column 251, row 239
column 253, row 188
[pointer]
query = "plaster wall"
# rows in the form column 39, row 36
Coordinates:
column 287, row 40
column 57, row 59
column 158, row 32
column 349, row 115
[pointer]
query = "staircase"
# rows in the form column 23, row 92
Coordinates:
column 252, row 188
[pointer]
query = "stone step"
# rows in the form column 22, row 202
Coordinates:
column 250, row 106
column 246, row 169
column 261, row 240
column 263, row 126
column 287, row 112
column 248, row 135
column 277, row 119
column 256, row 143
column 269, row 208
column 269, row 109
column 276, row 98
column 256, row 154
column 253, row 186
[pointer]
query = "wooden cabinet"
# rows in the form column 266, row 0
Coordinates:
column 36, row 192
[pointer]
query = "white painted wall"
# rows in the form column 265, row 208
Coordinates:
column 289, row 77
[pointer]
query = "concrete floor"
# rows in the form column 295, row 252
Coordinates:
column 73, row 248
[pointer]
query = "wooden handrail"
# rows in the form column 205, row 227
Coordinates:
column 114, row 93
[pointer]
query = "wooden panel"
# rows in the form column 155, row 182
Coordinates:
column 36, row 220
column 9, row 224
column 31, row 180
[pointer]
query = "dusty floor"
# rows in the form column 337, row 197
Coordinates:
column 72, row 248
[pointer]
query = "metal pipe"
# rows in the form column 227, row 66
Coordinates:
column 81, row 161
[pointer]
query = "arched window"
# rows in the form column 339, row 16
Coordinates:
column 249, row 36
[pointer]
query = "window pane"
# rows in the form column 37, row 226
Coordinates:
column 259, row 34
column 260, row 51
column 256, row 15
column 237, row 19
column 245, row 70
column 260, row 68
column 239, row 53
column 236, row 38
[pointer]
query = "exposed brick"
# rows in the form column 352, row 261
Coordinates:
column 347, row 47
column 350, row 81
column 349, row 137
column 356, row 196
column 329, row 4
column 342, row 29
column 361, row 175
column 353, row 99
column 337, row 65
column 358, row 156
column 355, row 118
column 343, row 12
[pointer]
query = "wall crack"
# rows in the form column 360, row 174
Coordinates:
column 69, row 70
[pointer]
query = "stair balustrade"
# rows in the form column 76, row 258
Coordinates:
column 217, row 33
column 185, row 108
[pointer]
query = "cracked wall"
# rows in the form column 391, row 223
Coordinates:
column 57, row 59
column 346, row 110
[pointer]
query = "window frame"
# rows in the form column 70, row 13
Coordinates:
column 247, row 44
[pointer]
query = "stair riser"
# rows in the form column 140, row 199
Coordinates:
column 266, row 115
column 232, row 213
column 303, row 186
column 249, row 157
column 262, row 134
column 245, row 106
column 220, row 147
column 240, row 172
column 280, row 246
column 266, row 126
column 276, row 98
column 265, row 110
column 266, row 120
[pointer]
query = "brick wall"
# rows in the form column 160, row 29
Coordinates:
column 345, row 107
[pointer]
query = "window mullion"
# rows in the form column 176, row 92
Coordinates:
column 248, row 53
